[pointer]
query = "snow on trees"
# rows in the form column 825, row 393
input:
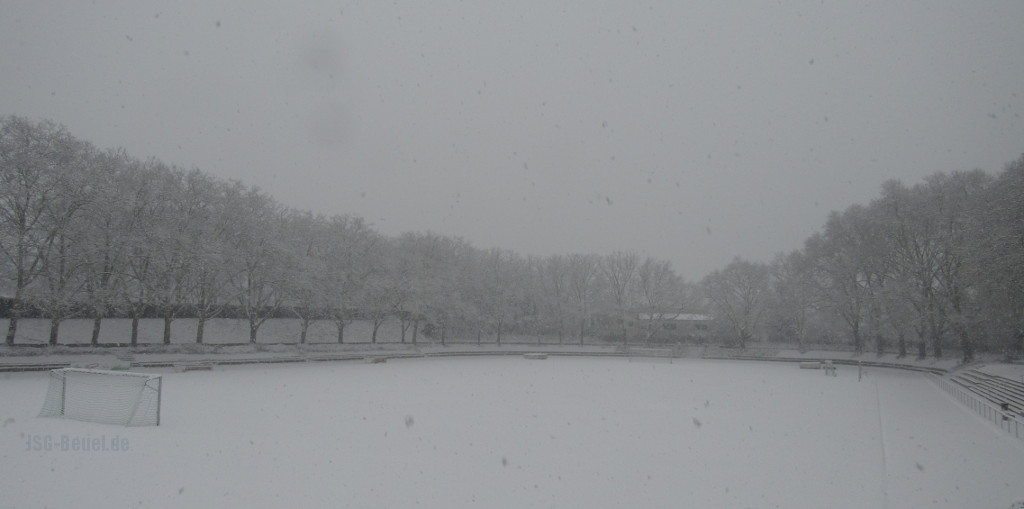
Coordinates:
column 97, row 234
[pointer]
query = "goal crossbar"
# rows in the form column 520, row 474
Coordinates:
column 110, row 397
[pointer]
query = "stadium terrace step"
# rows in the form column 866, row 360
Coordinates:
column 1002, row 391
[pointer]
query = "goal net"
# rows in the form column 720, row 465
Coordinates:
column 110, row 397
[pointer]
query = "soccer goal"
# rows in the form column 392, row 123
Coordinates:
column 110, row 397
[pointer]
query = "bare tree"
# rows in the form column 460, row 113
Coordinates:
column 208, row 232
column 354, row 253
column 111, row 230
column 556, row 293
column 996, row 235
column 662, row 293
column 840, row 261
column 35, row 164
column 256, row 246
column 793, row 296
column 443, row 283
column 917, row 250
column 620, row 271
column 583, row 285
column 408, row 267
column 952, row 197
column 64, row 266
column 738, row 293
column 501, row 278
column 305, row 285
column 434, row 270
column 181, row 213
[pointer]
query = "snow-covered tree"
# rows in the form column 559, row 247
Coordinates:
column 841, row 264
column 353, row 254
column 556, row 296
column 996, row 259
column 256, row 245
column 38, row 201
column 662, row 293
column 305, row 285
column 112, row 229
column 914, row 229
column 620, row 271
column 738, row 293
column 63, row 265
column 793, row 298
column 584, row 285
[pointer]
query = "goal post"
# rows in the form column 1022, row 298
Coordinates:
column 109, row 397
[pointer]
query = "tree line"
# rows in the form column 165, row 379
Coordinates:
column 100, row 234
column 920, row 269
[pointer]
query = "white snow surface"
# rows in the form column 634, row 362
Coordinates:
column 510, row 432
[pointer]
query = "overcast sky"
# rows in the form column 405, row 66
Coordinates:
column 693, row 131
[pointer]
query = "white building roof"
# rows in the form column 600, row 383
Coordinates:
column 681, row 317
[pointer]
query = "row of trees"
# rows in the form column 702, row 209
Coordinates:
column 938, row 263
column 85, row 232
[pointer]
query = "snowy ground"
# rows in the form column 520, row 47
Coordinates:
column 510, row 432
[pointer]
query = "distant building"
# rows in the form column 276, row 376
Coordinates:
column 658, row 326
column 675, row 326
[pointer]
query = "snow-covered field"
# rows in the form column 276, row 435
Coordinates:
column 511, row 432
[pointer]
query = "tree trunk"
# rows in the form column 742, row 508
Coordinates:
column 200, row 327
column 304, row 328
column 415, row 329
column 341, row 331
column 933, row 330
column 966, row 344
column 16, row 309
column 936, row 343
column 12, row 328
column 54, row 330
column 376, row 326
column 167, row 328
column 94, row 339
column 902, row 341
column 135, row 330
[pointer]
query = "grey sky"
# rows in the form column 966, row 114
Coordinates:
column 692, row 131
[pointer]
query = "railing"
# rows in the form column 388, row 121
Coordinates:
column 1006, row 421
